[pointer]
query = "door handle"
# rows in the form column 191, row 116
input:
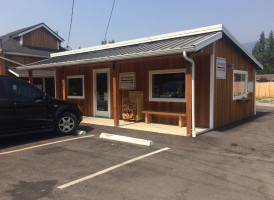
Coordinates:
column 17, row 104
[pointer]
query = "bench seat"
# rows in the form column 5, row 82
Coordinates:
column 149, row 113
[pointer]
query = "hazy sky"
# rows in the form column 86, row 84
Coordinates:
column 132, row 19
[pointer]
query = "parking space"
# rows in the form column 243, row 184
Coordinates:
column 235, row 162
column 36, row 169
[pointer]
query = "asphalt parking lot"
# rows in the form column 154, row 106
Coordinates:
column 234, row 162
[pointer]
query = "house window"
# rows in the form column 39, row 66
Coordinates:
column 239, row 84
column 76, row 87
column 167, row 85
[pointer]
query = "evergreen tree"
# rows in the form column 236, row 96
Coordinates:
column 263, row 52
column 103, row 42
column 270, row 53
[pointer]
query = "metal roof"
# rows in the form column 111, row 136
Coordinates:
column 167, row 44
column 161, row 47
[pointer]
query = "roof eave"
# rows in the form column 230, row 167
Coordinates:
column 260, row 66
column 110, row 58
column 24, row 54
column 208, row 41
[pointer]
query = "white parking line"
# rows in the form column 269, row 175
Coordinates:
column 110, row 168
column 41, row 145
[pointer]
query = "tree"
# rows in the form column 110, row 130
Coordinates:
column 270, row 53
column 263, row 52
column 103, row 42
column 263, row 79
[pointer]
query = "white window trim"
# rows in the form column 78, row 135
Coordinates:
column 246, row 81
column 83, row 88
column 169, row 71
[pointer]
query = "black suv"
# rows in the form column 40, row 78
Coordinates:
column 26, row 109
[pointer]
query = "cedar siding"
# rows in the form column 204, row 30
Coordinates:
column 142, row 68
column 227, row 110
column 40, row 38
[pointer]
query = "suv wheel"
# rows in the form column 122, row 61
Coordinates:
column 66, row 123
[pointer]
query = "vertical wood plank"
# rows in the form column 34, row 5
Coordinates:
column 115, row 96
column 63, row 84
column 188, row 100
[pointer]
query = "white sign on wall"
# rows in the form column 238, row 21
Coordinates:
column 250, row 87
column 220, row 68
column 127, row 81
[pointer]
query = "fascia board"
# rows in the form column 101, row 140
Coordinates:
column 24, row 54
column 15, row 74
column 242, row 48
column 143, row 40
column 208, row 41
column 109, row 59
column 39, row 26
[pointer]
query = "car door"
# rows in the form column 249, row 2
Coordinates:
column 30, row 107
column 6, row 114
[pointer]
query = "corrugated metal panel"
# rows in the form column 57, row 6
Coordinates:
column 167, row 44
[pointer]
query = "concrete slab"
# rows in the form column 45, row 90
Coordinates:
column 141, row 126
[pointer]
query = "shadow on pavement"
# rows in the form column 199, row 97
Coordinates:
column 12, row 141
column 259, row 114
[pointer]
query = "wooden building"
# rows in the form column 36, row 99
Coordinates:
column 28, row 45
column 203, row 76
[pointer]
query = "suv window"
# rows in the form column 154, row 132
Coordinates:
column 3, row 93
column 23, row 90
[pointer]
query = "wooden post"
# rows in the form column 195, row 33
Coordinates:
column 3, row 70
column 30, row 77
column 188, row 100
column 63, row 85
column 115, row 96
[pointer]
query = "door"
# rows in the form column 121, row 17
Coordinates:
column 101, row 95
column 30, row 109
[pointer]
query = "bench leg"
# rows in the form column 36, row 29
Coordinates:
column 148, row 118
column 181, row 121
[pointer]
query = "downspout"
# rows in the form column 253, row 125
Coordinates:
column 192, row 92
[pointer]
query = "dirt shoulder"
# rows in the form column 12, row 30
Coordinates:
column 265, row 101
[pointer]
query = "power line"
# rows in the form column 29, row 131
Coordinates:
column 70, row 22
column 109, row 19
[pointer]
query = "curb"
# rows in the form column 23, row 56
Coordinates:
column 131, row 140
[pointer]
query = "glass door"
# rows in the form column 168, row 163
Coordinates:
column 101, row 93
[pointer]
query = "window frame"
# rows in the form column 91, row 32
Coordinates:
column 83, row 87
column 166, row 71
column 246, row 82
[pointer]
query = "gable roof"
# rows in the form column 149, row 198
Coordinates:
column 10, row 46
column 167, row 44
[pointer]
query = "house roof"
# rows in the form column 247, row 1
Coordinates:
column 167, row 44
column 36, row 73
column 10, row 46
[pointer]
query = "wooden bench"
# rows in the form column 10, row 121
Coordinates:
column 149, row 113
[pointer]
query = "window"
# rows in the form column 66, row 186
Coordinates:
column 3, row 93
column 239, row 84
column 23, row 90
column 167, row 85
column 76, row 87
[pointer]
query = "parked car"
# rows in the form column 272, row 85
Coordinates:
column 26, row 109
